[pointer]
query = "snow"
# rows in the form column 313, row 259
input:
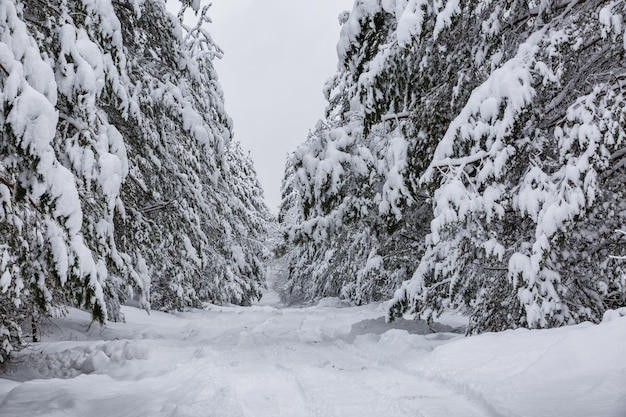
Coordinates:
column 410, row 21
column 444, row 19
column 5, row 281
column 614, row 314
column 394, row 187
column 611, row 23
column 331, row 359
column 566, row 372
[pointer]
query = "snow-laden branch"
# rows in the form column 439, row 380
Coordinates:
column 619, row 258
column 6, row 182
column 199, row 38
column 618, row 155
column 396, row 116
column 455, row 162
column 161, row 205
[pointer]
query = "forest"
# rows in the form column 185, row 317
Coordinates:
column 472, row 157
column 471, row 160
column 119, row 177
column 466, row 178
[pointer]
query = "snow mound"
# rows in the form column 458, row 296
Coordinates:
column 88, row 359
column 572, row 371
column 333, row 302
column 610, row 315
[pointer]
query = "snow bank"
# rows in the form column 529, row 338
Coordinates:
column 90, row 358
column 572, row 371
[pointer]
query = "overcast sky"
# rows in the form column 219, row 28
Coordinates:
column 278, row 55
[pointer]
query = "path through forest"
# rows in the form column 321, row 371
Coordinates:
column 327, row 360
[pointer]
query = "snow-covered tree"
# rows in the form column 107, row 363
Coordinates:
column 351, row 179
column 193, row 207
column 488, row 133
column 526, row 191
column 45, row 256
column 118, row 173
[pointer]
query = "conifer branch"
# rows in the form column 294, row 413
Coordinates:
column 397, row 116
column 619, row 258
column 161, row 205
column 6, row 182
column 457, row 162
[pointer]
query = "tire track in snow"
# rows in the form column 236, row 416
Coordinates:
column 413, row 373
column 285, row 355
column 248, row 362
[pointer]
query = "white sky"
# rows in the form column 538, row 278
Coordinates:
column 277, row 56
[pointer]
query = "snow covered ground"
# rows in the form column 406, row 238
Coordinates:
column 327, row 360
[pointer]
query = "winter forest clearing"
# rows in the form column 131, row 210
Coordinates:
column 468, row 175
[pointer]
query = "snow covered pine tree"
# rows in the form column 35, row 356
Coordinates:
column 118, row 174
column 504, row 119
column 346, row 201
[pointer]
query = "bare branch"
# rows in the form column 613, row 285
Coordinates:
column 161, row 205
column 410, row 238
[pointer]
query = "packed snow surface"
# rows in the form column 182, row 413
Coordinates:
column 328, row 360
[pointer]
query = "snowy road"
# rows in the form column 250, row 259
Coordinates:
column 327, row 360
column 290, row 363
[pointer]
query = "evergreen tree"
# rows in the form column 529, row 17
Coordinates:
column 194, row 212
column 45, row 257
column 484, row 139
column 365, row 213
column 118, row 173
column 524, row 188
